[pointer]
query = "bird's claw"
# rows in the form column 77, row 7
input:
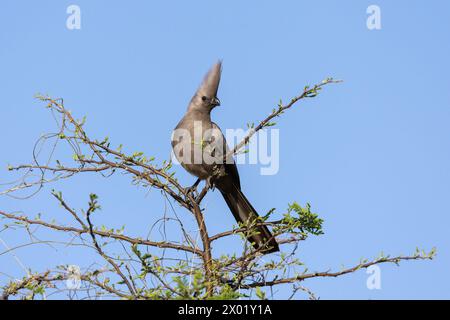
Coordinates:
column 192, row 189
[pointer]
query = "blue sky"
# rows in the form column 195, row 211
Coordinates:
column 371, row 155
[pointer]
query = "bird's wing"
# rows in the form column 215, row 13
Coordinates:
column 230, row 166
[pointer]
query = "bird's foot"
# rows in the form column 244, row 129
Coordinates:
column 192, row 189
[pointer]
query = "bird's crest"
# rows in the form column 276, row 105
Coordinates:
column 210, row 84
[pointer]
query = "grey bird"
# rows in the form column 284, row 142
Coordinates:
column 200, row 146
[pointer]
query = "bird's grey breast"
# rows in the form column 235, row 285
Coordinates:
column 199, row 146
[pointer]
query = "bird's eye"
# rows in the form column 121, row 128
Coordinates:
column 204, row 98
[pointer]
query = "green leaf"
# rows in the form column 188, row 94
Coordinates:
column 260, row 294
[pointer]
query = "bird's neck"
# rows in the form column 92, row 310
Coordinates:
column 203, row 115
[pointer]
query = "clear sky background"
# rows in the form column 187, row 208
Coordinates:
column 371, row 155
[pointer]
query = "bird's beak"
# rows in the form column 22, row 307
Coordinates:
column 215, row 102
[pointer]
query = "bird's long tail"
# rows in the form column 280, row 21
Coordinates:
column 243, row 212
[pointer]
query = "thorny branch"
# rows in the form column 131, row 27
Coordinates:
column 161, row 269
